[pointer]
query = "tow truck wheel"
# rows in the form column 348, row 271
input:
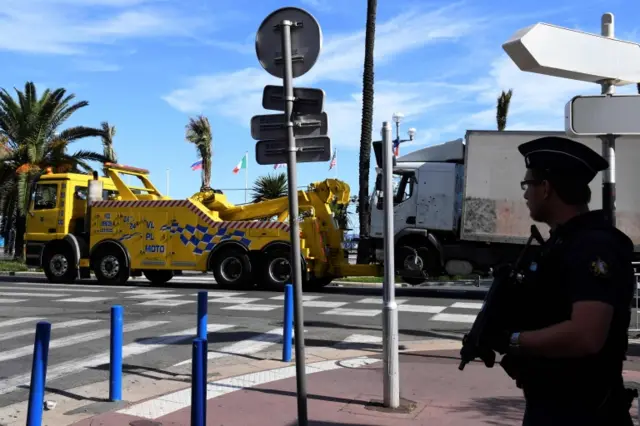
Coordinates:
column 276, row 270
column 58, row 265
column 232, row 268
column 158, row 276
column 110, row 266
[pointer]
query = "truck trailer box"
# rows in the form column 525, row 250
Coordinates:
column 494, row 208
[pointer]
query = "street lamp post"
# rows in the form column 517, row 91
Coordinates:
column 397, row 118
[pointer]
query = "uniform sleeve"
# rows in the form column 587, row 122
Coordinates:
column 594, row 270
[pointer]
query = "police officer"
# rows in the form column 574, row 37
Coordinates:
column 567, row 352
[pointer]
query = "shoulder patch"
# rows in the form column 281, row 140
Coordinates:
column 599, row 268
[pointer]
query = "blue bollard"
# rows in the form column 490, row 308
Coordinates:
column 199, row 383
column 288, row 323
column 115, row 354
column 38, row 374
column 202, row 315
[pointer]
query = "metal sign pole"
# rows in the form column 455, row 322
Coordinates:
column 296, row 269
column 391, row 377
column 609, row 141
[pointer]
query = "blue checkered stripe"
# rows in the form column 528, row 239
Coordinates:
column 203, row 238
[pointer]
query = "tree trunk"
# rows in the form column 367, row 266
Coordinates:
column 21, row 228
column 365, row 132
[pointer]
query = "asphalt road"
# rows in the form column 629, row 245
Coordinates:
column 160, row 323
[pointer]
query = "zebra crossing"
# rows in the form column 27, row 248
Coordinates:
column 80, row 296
column 79, row 348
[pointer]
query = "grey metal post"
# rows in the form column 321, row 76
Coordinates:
column 296, row 269
column 390, row 308
column 609, row 141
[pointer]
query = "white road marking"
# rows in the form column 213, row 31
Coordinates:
column 378, row 301
column 469, row 319
column 17, row 321
column 424, row 309
column 219, row 294
column 76, row 365
column 356, row 340
column 321, row 304
column 467, row 305
column 166, row 302
column 7, row 301
column 170, row 403
column 84, row 299
column 251, row 345
column 353, row 312
column 34, row 295
column 252, row 307
column 234, row 300
column 145, row 291
column 75, row 339
column 304, row 297
column 49, row 288
column 56, row 326
column 154, row 296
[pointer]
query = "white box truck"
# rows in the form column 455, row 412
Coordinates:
column 459, row 208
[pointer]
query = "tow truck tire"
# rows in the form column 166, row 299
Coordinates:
column 231, row 268
column 58, row 264
column 110, row 266
column 276, row 270
column 158, row 276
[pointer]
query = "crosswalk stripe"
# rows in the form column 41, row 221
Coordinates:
column 467, row 305
column 49, row 288
column 248, row 346
column 58, row 326
column 76, row 338
column 358, row 340
column 7, row 301
column 33, row 294
column 17, row 321
column 137, row 348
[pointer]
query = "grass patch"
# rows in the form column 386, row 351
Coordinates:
column 12, row 266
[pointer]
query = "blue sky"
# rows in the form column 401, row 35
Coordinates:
column 146, row 66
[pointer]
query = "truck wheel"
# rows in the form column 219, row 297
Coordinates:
column 408, row 258
column 232, row 268
column 158, row 276
column 276, row 270
column 58, row 265
column 110, row 267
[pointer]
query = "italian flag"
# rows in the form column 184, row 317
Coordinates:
column 241, row 165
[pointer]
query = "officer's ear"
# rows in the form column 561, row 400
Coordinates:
column 547, row 189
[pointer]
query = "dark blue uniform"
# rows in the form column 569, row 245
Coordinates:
column 585, row 259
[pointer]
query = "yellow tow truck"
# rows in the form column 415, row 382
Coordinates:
column 78, row 224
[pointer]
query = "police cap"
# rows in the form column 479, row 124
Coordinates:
column 563, row 157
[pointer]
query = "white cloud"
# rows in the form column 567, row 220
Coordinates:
column 67, row 27
column 237, row 94
column 96, row 65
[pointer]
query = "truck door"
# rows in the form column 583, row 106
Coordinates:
column 404, row 201
column 43, row 218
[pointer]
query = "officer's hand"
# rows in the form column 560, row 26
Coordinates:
column 513, row 366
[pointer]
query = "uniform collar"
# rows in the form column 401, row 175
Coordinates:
column 590, row 219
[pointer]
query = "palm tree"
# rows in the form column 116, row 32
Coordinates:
column 502, row 109
column 269, row 187
column 30, row 126
column 108, row 132
column 367, row 127
column 199, row 134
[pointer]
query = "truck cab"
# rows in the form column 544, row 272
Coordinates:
column 428, row 190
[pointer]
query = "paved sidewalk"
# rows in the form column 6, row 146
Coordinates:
column 434, row 392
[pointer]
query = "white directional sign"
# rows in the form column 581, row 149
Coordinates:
column 603, row 115
column 576, row 55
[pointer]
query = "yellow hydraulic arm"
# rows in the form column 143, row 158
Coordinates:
column 150, row 192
